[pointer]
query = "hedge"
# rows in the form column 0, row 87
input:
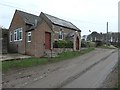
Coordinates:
column 63, row 44
column 87, row 44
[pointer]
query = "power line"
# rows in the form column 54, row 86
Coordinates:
column 86, row 22
column 10, row 6
column 15, row 7
column 81, row 21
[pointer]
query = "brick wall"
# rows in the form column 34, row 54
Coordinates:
column 57, row 30
column 40, row 38
column 30, row 46
column 66, row 31
column 17, row 46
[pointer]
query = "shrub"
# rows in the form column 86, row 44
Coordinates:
column 69, row 44
column 92, row 44
column 84, row 43
column 63, row 44
column 99, row 43
column 87, row 44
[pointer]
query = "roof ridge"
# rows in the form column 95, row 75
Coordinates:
column 58, row 18
column 28, row 17
column 26, row 13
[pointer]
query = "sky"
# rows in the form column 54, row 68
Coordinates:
column 85, row 14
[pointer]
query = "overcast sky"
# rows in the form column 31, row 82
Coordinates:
column 85, row 14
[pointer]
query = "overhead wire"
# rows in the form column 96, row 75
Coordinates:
column 81, row 21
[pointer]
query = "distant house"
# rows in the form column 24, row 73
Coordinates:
column 34, row 35
column 111, row 37
column 84, row 37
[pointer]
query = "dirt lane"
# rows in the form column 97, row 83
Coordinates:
column 53, row 75
column 96, row 75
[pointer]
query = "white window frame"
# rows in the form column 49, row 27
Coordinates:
column 17, row 33
column 28, row 36
column 20, row 31
column 11, row 37
column 61, row 35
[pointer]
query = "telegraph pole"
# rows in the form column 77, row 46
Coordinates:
column 107, row 35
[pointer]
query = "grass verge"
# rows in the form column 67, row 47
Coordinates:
column 107, row 47
column 30, row 62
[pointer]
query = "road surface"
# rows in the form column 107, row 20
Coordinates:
column 86, row 71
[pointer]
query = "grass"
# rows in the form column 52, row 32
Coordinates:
column 30, row 62
column 107, row 47
column 68, row 55
column 23, row 63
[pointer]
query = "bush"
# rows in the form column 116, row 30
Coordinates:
column 92, row 44
column 69, row 44
column 84, row 43
column 87, row 44
column 63, row 44
column 99, row 43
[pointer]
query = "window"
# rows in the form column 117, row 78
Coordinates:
column 29, row 36
column 61, row 35
column 10, row 36
column 15, row 35
column 18, row 34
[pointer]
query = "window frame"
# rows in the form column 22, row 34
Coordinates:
column 61, row 35
column 20, row 31
column 17, row 34
column 29, row 35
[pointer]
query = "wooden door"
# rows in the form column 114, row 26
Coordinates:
column 47, row 40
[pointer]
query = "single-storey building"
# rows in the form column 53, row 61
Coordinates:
column 34, row 35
